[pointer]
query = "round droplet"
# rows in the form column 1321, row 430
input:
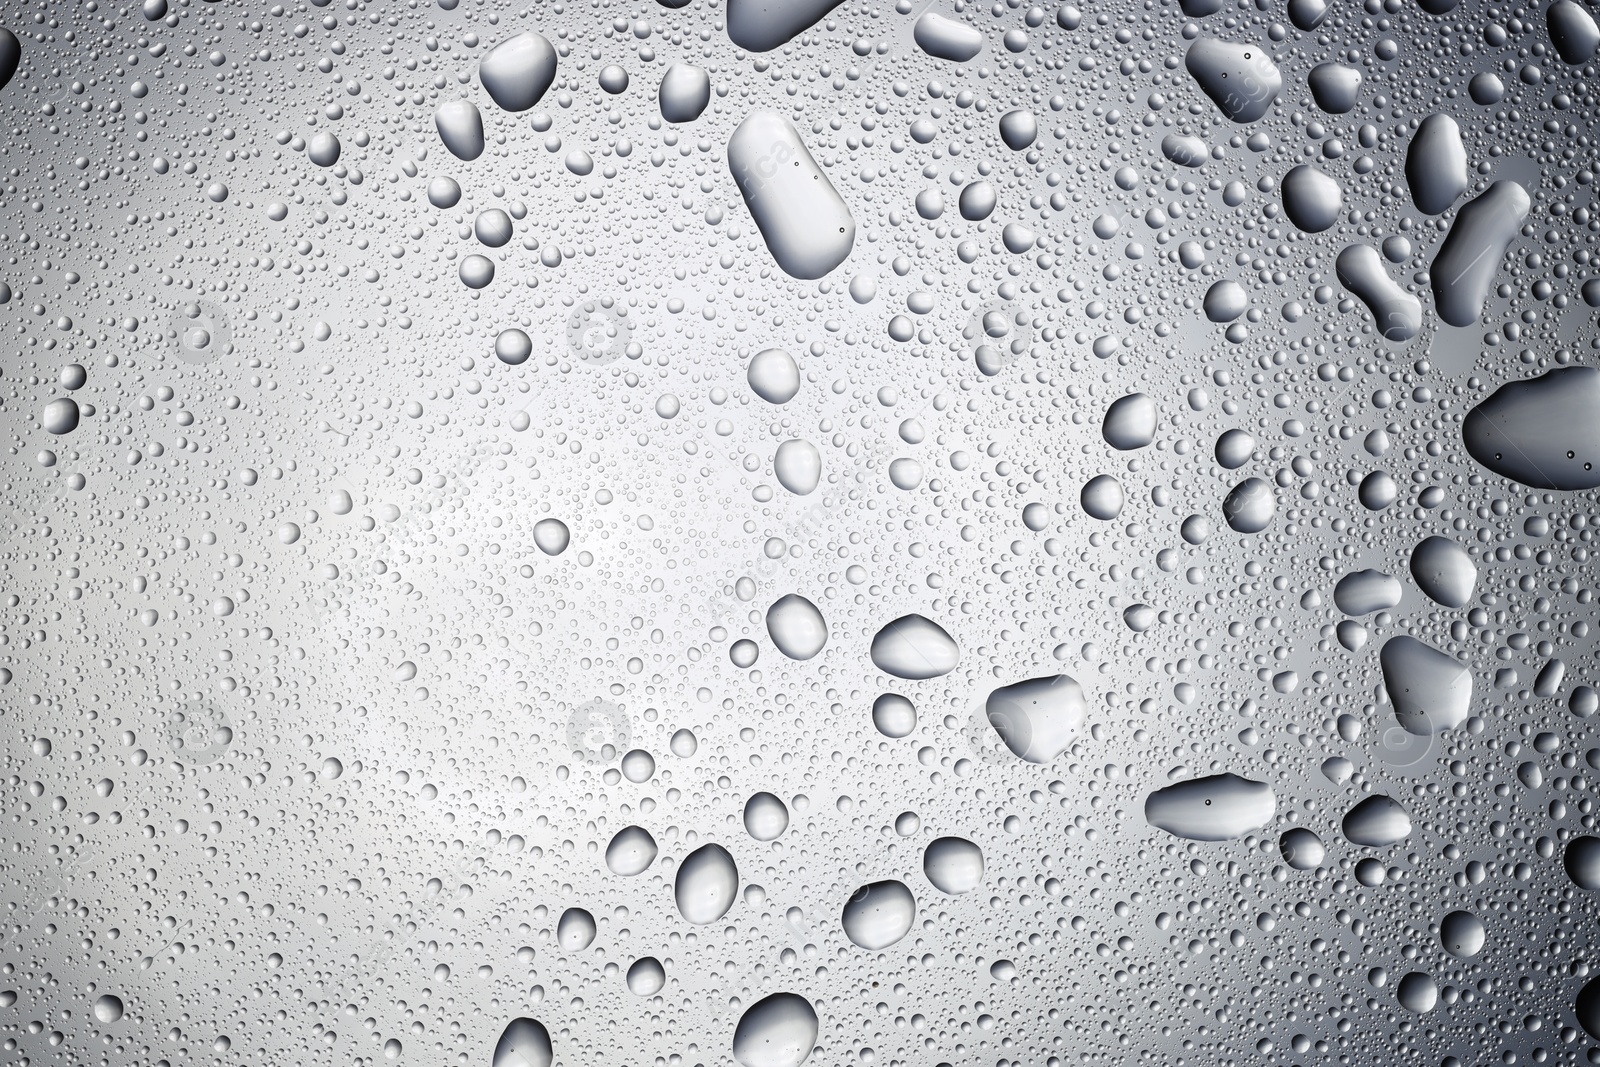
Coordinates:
column 492, row 227
column 1582, row 862
column 1301, row 848
column 774, row 376
column 1249, row 506
column 523, row 1043
column 1417, row 993
column 60, row 415
column 798, row 466
column 707, row 884
column 460, row 127
column 914, row 647
column 552, row 536
column 476, row 271
column 1130, row 422
column 646, row 976
column 1101, row 497
column 1018, row 129
column 765, row 817
column 1225, row 301
column 685, row 92
column 613, row 79
column 1234, row 448
column 107, row 1008
column 518, row 71
column 893, row 715
column 1587, row 1007
column 1378, row 490
column 977, row 201
column 444, row 192
column 638, row 765
column 1311, row 199
column 683, row 743
column 513, row 346
column 1462, row 934
column 324, row 148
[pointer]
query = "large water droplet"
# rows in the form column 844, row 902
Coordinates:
column 879, row 914
column 576, row 930
column 523, row 1043
column 807, row 226
column 953, row 864
column 707, row 884
column 1215, row 808
column 796, row 627
column 914, row 647
column 777, row 1031
column 1038, row 718
column 631, row 851
column 1377, row 822
column 518, row 71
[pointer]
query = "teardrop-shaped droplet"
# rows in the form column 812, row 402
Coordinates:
column 914, row 647
column 631, row 851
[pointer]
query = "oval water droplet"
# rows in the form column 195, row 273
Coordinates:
column 798, row 466
column 575, row 931
column 1311, row 199
column 523, row 1043
column 1431, row 691
column 879, row 914
column 777, row 1031
column 953, row 865
column 807, row 226
column 1436, row 164
column 1377, row 822
column 796, row 627
column 707, row 884
column 631, row 851
column 766, row 817
column 460, row 127
column 1469, row 258
column 1215, row 808
column 774, row 376
column 914, row 647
